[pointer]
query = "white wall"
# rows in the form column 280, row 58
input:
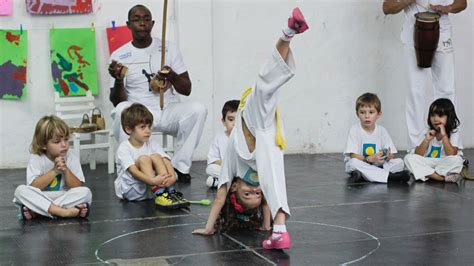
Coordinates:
column 350, row 48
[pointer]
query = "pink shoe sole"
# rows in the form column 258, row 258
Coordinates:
column 297, row 21
column 281, row 242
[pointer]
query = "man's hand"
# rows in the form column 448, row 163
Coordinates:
column 441, row 9
column 117, row 70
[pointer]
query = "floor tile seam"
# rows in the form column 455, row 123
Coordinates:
column 248, row 248
column 194, row 254
column 346, row 204
column 426, row 234
column 105, row 221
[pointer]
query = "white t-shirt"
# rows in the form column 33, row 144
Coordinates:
column 409, row 24
column 436, row 148
column 218, row 148
column 126, row 156
column 363, row 143
column 142, row 65
column 39, row 165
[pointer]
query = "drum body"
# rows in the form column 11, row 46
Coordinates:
column 426, row 37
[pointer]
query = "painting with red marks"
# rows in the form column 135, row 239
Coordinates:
column 13, row 64
column 6, row 7
column 73, row 61
column 118, row 36
column 58, row 7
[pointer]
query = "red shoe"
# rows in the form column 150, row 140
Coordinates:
column 297, row 21
column 283, row 241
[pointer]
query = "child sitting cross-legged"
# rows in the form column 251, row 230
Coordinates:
column 369, row 153
column 144, row 170
column 54, row 179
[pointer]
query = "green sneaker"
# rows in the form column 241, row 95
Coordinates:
column 178, row 196
column 165, row 201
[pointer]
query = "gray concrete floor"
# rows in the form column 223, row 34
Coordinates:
column 333, row 222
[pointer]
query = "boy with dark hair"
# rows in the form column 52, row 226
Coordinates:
column 219, row 143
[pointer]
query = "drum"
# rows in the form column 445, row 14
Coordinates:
column 426, row 37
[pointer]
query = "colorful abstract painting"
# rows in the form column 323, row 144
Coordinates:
column 73, row 61
column 6, row 7
column 118, row 36
column 13, row 59
column 58, row 7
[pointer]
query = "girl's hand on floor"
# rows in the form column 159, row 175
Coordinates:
column 204, row 232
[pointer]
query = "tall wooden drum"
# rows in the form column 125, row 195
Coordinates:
column 426, row 37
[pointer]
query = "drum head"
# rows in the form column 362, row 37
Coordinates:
column 427, row 16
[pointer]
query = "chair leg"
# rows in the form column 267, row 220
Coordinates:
column 92, row 160
column 111, row 159
column 76, row 145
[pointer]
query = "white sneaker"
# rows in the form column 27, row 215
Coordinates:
column 212, row 181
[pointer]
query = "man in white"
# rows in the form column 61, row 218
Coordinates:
column 142, row 57
column 442, row 69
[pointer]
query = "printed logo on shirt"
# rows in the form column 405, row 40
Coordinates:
column 55, row 183
column 251, row 177
column 368, row 149
column 121, row 57
column 435, row 152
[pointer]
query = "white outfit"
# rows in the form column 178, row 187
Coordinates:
column 363, row 143
column 216, row 153
column 435, row 159
column 185, row 120
column 126, row 186
column 441, row 71
column 56, row 192
column 259, row 115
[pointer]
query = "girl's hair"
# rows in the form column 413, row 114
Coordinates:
column 230, row 219
column 443, row 106
column 46, row 128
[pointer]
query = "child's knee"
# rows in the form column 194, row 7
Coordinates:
column 143, row 160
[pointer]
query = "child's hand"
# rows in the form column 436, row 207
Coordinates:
column 265, row 228
column 158, row 180
column 204, row 232
column 430, row 135
column 442, row 130
column 377, row 158
column 169, row 180
column 60, row 164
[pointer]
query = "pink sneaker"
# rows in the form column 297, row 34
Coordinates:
column 281, row 242
column 453, row 178
column 297, row 21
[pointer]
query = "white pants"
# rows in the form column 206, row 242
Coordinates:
column 259, row 115
column 421, row 167
column 442, row 75
column 184, row 120
column 213, row 170
column 373, row 173
column 39, row 201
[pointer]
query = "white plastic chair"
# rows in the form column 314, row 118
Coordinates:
column 165, row 142
column 71, row 110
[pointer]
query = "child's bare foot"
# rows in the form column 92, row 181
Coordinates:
column 27, row 214
column 83, row 210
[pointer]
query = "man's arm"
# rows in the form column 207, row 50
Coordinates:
column 180, row 82
column 456, row 7
column 117, row 92
column 395, row 6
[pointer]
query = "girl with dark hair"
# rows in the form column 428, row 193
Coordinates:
column 438, row 156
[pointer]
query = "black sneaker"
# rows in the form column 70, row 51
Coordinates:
column 183, row 178
column 356, row 177
column 178, row 196
column 402, row 176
